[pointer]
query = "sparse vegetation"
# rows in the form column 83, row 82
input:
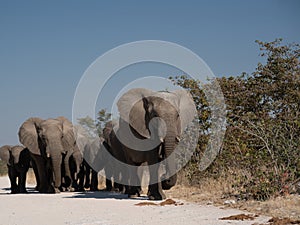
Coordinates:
column 95, row 127
column 260, row 156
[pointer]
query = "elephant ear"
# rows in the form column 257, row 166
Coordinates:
column 132, row 110
column 16, row 152
column 187, row 108
column 68, row 138
column 81, row 138
column 28, row 134
column 4, row 154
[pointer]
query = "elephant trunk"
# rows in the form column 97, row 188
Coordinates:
column 56, row 165
column 169, row 146
column 55, row 152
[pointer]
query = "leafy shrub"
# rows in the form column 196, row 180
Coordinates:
column 263, row 125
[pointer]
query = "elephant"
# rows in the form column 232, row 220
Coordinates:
column 87, row 177
column 114, row 147
column 17, row 159
column 150, row 126
column 51, row 143
column 95, row 160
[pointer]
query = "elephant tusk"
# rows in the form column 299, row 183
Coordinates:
column 177, row 139
column 161, row 139
column 48, row 155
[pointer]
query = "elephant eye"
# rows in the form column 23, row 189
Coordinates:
column 154, row 114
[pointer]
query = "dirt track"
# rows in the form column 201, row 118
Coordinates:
column 103, row 208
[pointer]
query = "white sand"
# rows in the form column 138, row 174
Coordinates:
column 103, row 208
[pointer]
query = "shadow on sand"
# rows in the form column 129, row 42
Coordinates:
column 85, row 194
column 104, row 195
column 30, row 190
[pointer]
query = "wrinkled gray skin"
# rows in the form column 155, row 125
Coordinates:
column 51, row 143
column 137, row 107
column 17, row 159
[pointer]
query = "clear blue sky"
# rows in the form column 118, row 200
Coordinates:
column 45, row 46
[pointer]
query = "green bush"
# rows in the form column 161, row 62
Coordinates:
column 262, row 141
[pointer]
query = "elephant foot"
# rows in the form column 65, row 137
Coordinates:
column 132, row 192
column 155, row 192
column 156, row 196
column 56, row 190
column 81, row 189
column 23, row 191
column 94, row 189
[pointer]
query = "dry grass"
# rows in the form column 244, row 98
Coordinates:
column 209, row 191
column 215, row 191
column 283, row 207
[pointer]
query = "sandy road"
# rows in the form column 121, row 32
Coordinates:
column 103, row 208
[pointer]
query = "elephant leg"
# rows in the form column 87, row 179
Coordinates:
column 118, row 187
column 117, row 175
column 108, row 175
column 81, row 178
column 108, row 184
column 94, row 181
column 133, row 190
column 43, row 175
column 67, row 174
column 74, row 184
column 13, row 180
column 155, row 191
column 22, row 181
column 87, row 183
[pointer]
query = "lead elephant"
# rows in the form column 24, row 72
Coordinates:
column 151, row 124
column 17, row 159
column 51, row 143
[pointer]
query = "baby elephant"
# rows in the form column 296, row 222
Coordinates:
column 17, row 159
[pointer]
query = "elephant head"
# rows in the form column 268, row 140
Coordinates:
column 14, row 154
column 171, row 111
column 5, row 154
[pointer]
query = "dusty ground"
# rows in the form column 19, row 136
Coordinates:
column 108, row 208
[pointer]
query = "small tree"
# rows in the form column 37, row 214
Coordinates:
column 95, row 127
column 102, row 119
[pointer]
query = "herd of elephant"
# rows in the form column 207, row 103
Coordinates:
column 64, row 158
